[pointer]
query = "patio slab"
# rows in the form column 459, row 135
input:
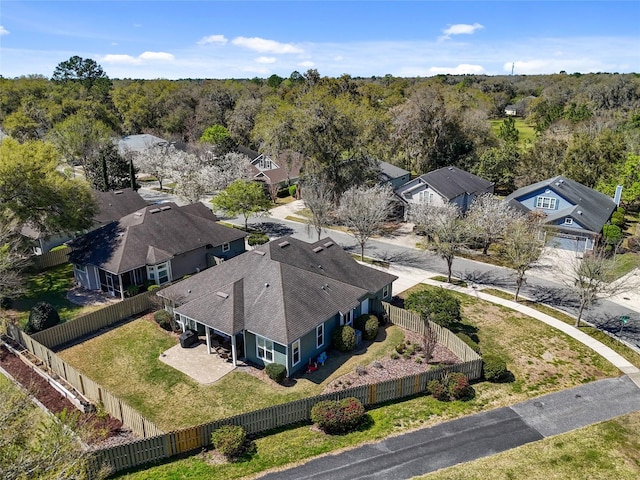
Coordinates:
column 197, row 363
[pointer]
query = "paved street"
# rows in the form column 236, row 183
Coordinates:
column 474, row 436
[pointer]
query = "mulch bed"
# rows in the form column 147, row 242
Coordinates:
column 102, row 427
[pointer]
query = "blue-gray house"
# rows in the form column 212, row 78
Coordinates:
column 280, row 302
column 575, row 214
column 157, row 244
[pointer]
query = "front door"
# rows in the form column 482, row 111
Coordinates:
column 110, row 287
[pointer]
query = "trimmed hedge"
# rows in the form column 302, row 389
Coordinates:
column 229, row 440
column 344, row 338
column 494, row 368
column 257, row 239
column 163, row 318
column 452, row 386
column 276, row 371
column 338, row 416
column 368, row 324
column 437, row 305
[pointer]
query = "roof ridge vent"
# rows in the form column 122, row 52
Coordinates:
column 222, row 295
column 283, row 244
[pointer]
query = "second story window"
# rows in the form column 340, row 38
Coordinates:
column 547, row 203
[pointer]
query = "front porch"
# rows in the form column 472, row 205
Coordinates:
column 197, row 363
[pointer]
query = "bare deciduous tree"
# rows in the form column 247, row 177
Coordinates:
column 446, row 230
column 488, row 218
column 429, row 340
column 592, row 278
column 13, row 258
column 364, row 210
column 317, row 198
column 522, row 248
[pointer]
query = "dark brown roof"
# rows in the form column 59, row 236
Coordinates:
column 288, row 288
column 152, row 234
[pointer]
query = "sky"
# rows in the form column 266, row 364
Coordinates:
column 245, row 39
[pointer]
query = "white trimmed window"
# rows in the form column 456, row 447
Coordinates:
column 226, row 247
column 425, row 197
column 568, row 221
column 547, row 203
column 158, row 273
column 295, row 353
column 385, row 291
column 346, row 318
column 320, row 335
column 264, row 348
column 80, row 268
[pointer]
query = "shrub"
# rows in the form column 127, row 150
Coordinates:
column 368, row 325
column 612, row 234
column 229, row 440
column 344, row 338
column 292, row 190
column 153, row 287
column 276, row 371
column 469, row 341
column 163, row 318
column 494, row 368
column 133, row 290
column 401, row 347
column 633, row 243
column 394, row 356
column 438, row 305
column 257, row 239
column 618, row 219
column 338, row 416
column 42, row 316
column 458, row 386
column 436, row 389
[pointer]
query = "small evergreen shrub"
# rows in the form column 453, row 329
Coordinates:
column 612, row 234
column 133, row 290
column 163, row 318
column 293, row 190
column 394, row 356
column 438, row 305
column 494, row 368
column 276, row 371
column 153, row 287
column 42, row 316
column 257, row 239
column 368, row 325
column 436, row 389
column 338, row 416
column 469, row 341
column 400, row 348
column 618, row 219
column 344, row 338
column 229, row 440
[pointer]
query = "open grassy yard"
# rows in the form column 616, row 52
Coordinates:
column 604, row 451
column 527, row 132
column 49, row 286
column 125, row 361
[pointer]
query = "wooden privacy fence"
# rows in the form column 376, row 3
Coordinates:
column 87, row 387
column 154, row 449
column 68, row 332
column 51, row 259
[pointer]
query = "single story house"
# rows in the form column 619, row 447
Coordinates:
column 158, row 244
column 442, row 186
column 280, row 302
column 575, row 213
column 112, row 206
column 392, row 175
column 280, row 173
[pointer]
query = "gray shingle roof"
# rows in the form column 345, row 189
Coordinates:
column 389, row 171
column 116, row 204
column 451, row 182
column 154, row 233
column 595, row 208
column 288, row 289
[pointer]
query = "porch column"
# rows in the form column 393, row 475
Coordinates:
column 234, row 356
column 206, row 332
column 121, row 287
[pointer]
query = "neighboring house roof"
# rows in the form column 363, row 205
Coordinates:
column 151, row 235
column 591, row 209
column 112, row 206
column 289, row 167
column 280, row 290
column 139, row 143
column 252, row 154
column 449, row 182
column 389, row 172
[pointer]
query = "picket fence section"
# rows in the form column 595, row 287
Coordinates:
column 90, row 323
column 87, row 387
column 51, row 259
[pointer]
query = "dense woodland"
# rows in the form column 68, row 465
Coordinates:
column 587, row 126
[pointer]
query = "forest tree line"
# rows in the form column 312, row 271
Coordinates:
column 587, row 126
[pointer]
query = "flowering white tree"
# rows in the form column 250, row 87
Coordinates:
column 364, row 210
column 155, row 160
column 488, row 219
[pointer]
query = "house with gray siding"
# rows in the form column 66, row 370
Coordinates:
column 392, row 175
column 574, row 213
column 442, row 186
column 156, row 244
column 278, row 303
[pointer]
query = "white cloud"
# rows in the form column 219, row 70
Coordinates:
column 3, row 31
column 140, row 59
column 462, row 29
column 462, row 69
column 266, row 60
column 220, row 39
column 265, row 46
column 307, row 64
column 163, row 56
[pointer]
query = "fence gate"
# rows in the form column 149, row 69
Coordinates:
column 187, row 440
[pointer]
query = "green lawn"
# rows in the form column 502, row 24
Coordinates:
column 608, row 450
column 527, row 132
column 159, row 392
column 625, row 263
column 50, row 286
column 541, row 359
